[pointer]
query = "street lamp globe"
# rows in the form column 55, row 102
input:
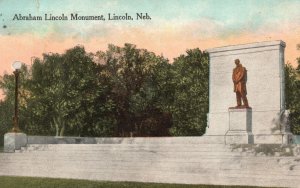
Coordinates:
column 17, row 65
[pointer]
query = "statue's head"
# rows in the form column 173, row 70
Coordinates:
column 237, row 61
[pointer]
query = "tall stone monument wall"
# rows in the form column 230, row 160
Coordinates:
column 264, row 62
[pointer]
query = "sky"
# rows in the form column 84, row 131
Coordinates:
column 175, row 26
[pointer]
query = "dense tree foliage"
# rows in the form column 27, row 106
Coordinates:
column 67, row 95
column 292, row 90
column 137, row 83
column 190, row 104
column 123, row 91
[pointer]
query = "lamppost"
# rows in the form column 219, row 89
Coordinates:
column 16, row 66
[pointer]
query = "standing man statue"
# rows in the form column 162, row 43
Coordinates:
column 239, row 78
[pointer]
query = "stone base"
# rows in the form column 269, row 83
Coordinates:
column 240, row 122
column 286, row 138
column 239, row 137
column 240, row 119
column 14, row 141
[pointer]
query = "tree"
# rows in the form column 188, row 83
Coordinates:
column 191, row 74
column 68, row 96
column 292, row 91
column 132, row 72
column 6, row 122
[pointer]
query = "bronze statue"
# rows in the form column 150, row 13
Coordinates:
column 239, row 78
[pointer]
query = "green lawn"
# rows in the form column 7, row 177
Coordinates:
column 29, row 182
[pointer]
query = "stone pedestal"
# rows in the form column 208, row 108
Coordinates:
column 14, row 141
column 240, row 126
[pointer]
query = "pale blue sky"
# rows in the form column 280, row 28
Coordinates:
column 230, row 15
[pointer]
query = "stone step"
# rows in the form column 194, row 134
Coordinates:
column 157, row 145
column 133, row 150
column 148, row 175
column 182, row 167
column 130, row 145
column 128, row 148
column 226, row 173
column 192, row 157
column 124, row 149
column 276, row 150
column 237, row 162
column 155, row 162
column 219, row 162
column 127, row 140
column 247, row 167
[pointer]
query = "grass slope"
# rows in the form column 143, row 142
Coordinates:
column 30, row 182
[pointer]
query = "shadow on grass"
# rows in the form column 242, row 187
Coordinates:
column 30, row 182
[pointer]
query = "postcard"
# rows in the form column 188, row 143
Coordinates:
column 172, row 91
